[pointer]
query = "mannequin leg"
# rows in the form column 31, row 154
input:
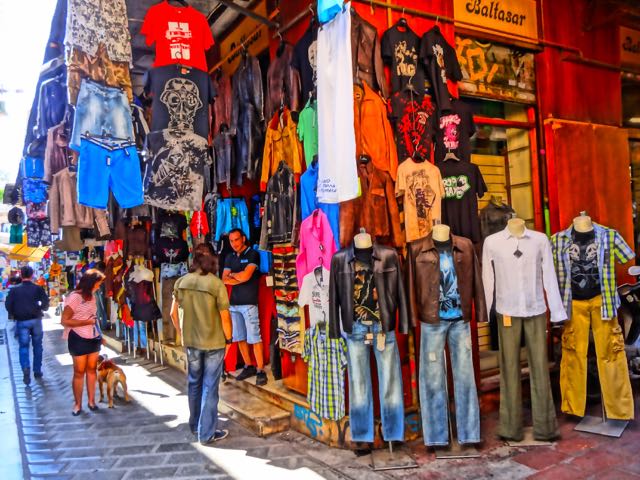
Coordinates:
column 434, row 403
column 573, row 366
column 545, row 426
column 612, row 365
column 510, row 382
column 464, row 383
column 390, row 387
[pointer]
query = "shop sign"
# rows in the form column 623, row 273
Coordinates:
column 255, row 39
column 513, row 18
column 496, row 71
column 629, row 47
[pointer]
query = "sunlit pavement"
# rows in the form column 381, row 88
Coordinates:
column 149, row 438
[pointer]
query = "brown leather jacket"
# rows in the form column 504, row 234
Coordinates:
column 387, row 275
column 366, row 55
column 282, row 83
column 376, row 210
column 423, row 280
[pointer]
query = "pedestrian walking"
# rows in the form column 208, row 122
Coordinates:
column 80, row 320
column 25, row 304
column 200, row 314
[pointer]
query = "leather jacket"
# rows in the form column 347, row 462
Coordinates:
column 282, row 83
column 389, row 284
column 247, row 116
column 280, row 211
column 366, row 54
column 423, row 279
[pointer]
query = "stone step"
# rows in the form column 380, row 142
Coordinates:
column 261, row 417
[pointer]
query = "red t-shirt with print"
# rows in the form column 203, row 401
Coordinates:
column 181, row 34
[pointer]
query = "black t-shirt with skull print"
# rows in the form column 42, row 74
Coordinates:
column 181, row 97
column 400, row 49
column 585, row 275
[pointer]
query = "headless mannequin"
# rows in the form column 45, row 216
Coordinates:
column 516, row 227
column 363, row 247
column 583, row 223
column 441, row 233
column 140, row 274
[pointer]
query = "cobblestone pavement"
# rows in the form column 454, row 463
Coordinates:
column 149, row 438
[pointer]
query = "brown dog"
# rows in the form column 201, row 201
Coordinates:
column 112, row 375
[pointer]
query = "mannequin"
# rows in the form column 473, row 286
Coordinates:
column 441, row 233
column 141, row 274
column 141, row 297
column 582, row 223
column 516, row 227
column 362, row 240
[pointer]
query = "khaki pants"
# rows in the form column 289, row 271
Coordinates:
column 612, row 362
column 545, row 426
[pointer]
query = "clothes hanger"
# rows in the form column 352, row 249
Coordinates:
column 403, row 21
column 451, row 156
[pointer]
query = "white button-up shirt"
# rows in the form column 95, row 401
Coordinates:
column 518, row 280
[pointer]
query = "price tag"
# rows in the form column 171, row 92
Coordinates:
column 269, row 280
column 381, row 341
column 368, row 338
column 506, row 320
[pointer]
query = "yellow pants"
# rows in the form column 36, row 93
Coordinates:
column 612, row 362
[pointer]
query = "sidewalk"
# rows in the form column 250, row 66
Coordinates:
column 149, row 438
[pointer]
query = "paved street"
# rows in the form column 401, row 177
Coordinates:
column 149, row 437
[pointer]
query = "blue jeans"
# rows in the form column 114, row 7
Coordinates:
column 30, row 330
column 389, row 385
column 433, row 396
column 204, row 372
column 139, row 330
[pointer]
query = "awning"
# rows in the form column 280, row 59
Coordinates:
column 24, row 253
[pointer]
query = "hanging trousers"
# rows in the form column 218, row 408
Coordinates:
column 545, row 426
column 612, row 361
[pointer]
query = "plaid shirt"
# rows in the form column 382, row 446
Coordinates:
column 327, row 359
column 611, row 247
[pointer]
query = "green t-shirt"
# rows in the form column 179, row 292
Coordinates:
column 201, row 298
column 308, row 130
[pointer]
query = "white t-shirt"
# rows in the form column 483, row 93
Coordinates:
column 316, row 295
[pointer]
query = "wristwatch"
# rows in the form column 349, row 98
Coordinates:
column 228, row 341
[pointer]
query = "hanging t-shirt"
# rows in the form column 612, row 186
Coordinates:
column 450, row 306
column 181, row 34
column 585, row 274
column 463, row 185
column 171, row 250
column 365, row 295
column 181, row 98
column 441, row 64
column 413, row 124
column 315, row 293
column 304, row 61
column 308, row 130
column 453, row 132
column 420, row 185
column 400, row 48
column 172, row 225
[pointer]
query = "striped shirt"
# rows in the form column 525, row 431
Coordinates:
column 83, row 310
column 611, row 247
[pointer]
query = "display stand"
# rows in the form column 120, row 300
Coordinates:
column 156, row 340
column 528, row 440
column 388, row 459
column 455, row 450
column 602, row 425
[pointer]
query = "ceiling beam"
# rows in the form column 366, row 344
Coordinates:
column 247, row 13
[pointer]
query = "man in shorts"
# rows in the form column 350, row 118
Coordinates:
column 241, row 271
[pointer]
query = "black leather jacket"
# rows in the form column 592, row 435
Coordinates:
column 389, row 284
column 280, row 211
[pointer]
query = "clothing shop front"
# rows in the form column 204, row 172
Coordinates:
column 379, row 182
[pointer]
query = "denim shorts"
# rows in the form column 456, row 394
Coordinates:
column 101, row 110
column 105, row 165
column 246, row 323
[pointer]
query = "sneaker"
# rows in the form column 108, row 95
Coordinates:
column 247, row 372
column 219, row 435
column 261, row 378
column 26, row 376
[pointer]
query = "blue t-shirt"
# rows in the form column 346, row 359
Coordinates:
column 450, row 308
column 309, row 201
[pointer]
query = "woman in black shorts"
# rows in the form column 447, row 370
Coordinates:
column 79, row 318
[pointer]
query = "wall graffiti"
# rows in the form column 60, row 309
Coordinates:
column 496, row 70
column 311, row 419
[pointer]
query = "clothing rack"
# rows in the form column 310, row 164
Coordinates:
column 268, row 21
column 294, row 21
column 411, row 11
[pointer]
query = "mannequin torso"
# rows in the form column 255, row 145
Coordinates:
column 516, row 227
column 441, row 233
column 583, row 224
column 141, row 274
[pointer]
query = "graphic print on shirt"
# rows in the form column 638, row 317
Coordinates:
column 584, row 265
column 449, row 126
column 406, row 59
column 412, row 127
column 450, row 307
column 422, row 196
column 365, row 296
column 182, row 99
column 176, row 33
column 456, row 186
column 438, row 52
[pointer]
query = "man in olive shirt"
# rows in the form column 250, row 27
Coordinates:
column 205, row 331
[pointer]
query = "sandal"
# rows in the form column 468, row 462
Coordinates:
column 75, row 413
column 93, row 408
